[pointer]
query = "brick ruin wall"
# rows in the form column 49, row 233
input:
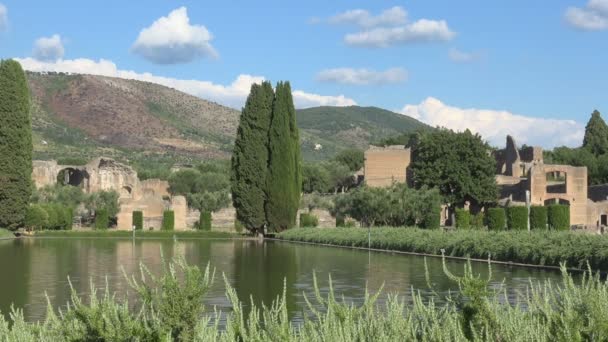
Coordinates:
column 385, row 166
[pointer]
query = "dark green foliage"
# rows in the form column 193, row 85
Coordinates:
column 558, row 217
column 353, row 158
column 458, row 164
column 463, row 219
column 407, row 139
column 168, row 220
column 283, row 177
column 308, row 220
column 36, row 218
column 517, row 218
column 477, row 220
column 249, row 161
column 238, row 226
column 102, row 219
column 596, row 135
column 204, row 221
column 15, row 145
column 340, row 221
column 315, row 178
column 538, row 217
column 106, row 200
column 138, row 220
column 68, row 218
column 496, row 219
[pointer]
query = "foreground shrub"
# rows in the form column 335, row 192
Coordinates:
column 517, row 218
column 538, row 217
column 559, row 217
column 496, row 219
column 36, row 218
column 138, row 220
column 463, row 219
column 102, row 219
column 308, row 220
column 204, row 221
column 168, row 220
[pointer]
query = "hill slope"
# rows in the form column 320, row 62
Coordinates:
column 84, row 116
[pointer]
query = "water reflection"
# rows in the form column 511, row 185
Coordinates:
column 33, row 267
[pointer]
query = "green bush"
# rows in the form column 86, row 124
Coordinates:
column 496, row 219
column 432, row 218
column 538, row 217
column 477, row 220
column 558, row 217
column 68, row 218
column 168, row 220
column 238, row 226
column 102, row 219
column 463, row 219
column 340, row 221
column 204, row 222
column 308, row 220
column 54, row 219
column 36, row 218
column 138, row 220
column 517, row 218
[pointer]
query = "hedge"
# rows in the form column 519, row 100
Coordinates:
column 538, row 217
column 204, row 221
column 308, row 220
column 168, row 220
column 477, row 220
column 102, row 219
column 138, row 220
column 432, row 219
column 496, row 219
column 340, row 221
column 558, row 217
column 463, row 219
column 517, row 218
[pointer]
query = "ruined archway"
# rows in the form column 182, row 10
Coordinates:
column 74, row 177
column 556, row 182
column 126, row 192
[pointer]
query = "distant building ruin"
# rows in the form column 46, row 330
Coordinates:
column 386, row 165
column 151, row 196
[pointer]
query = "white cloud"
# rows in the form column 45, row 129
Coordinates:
column 362, row 76
column 172, row 40
column 592, row 17
column 494, row 125
column 420, row 31
column 48, row 48
column 390, row 17
column 3, row 17
column 459, row 56
column 233, row 94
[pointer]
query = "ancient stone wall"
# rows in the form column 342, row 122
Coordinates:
column 386, row 165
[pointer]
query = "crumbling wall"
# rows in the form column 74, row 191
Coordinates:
column 386, row 165
column 44, row 173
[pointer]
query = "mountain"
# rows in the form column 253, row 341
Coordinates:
column 79, row 117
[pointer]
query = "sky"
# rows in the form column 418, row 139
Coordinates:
column 532, row 69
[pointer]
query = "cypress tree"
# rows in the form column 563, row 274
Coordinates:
column 250, row 158
column 596, row 135
column 15, row 145
column 282, row 176
column 295, row 144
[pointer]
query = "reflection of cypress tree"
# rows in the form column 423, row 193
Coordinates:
column 260, row 270
column 15, row 263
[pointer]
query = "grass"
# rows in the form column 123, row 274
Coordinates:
column 5, row 234
column 140, row 234
column 547, row 248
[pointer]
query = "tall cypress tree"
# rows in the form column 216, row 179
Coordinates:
column 15, row 145
column 596, row 134
column 250, row 158
column 295, row 141
column 281, row 177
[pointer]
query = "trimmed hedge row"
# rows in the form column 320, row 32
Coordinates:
column 168, row 220
column 463, row 219
column 558, row 217
column 138, row 220
column 517, row 218
column 102, row 219
column 204, row 221
column 496, row 219
column 538, row 217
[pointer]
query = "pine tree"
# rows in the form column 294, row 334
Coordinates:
column 596, row 135
column 250, row 158
column 15, row 145
column 282, row 175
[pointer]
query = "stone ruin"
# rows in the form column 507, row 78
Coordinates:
column 151, row 196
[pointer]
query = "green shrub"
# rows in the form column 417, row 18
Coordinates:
column 432, row 219
column 68, row 218
column 138, row 220
column 496, row 219
column 53, row 215
column 477, row 220
column 204, row 222
column 463, row 219
column 308, row 220
column 168, row 220
column 517, row 218
column 538, row 217
column 102, row 219
column 238, row 226
column 558, row 217
column 340, row 221
column 36, row 218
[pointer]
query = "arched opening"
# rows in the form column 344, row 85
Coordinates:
column 125, row 192
column 556, row 182
column 73, row 177
column 561, row 201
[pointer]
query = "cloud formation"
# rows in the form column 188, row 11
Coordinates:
column 459, row 56
column 3, row 18
column 494, row 125
column 592, row 17
column 173, row 40
column 232, row 95
column 48, row 48
column 362, row 76
column 390, row 27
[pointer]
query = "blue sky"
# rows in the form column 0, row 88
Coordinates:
column 534, row 69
